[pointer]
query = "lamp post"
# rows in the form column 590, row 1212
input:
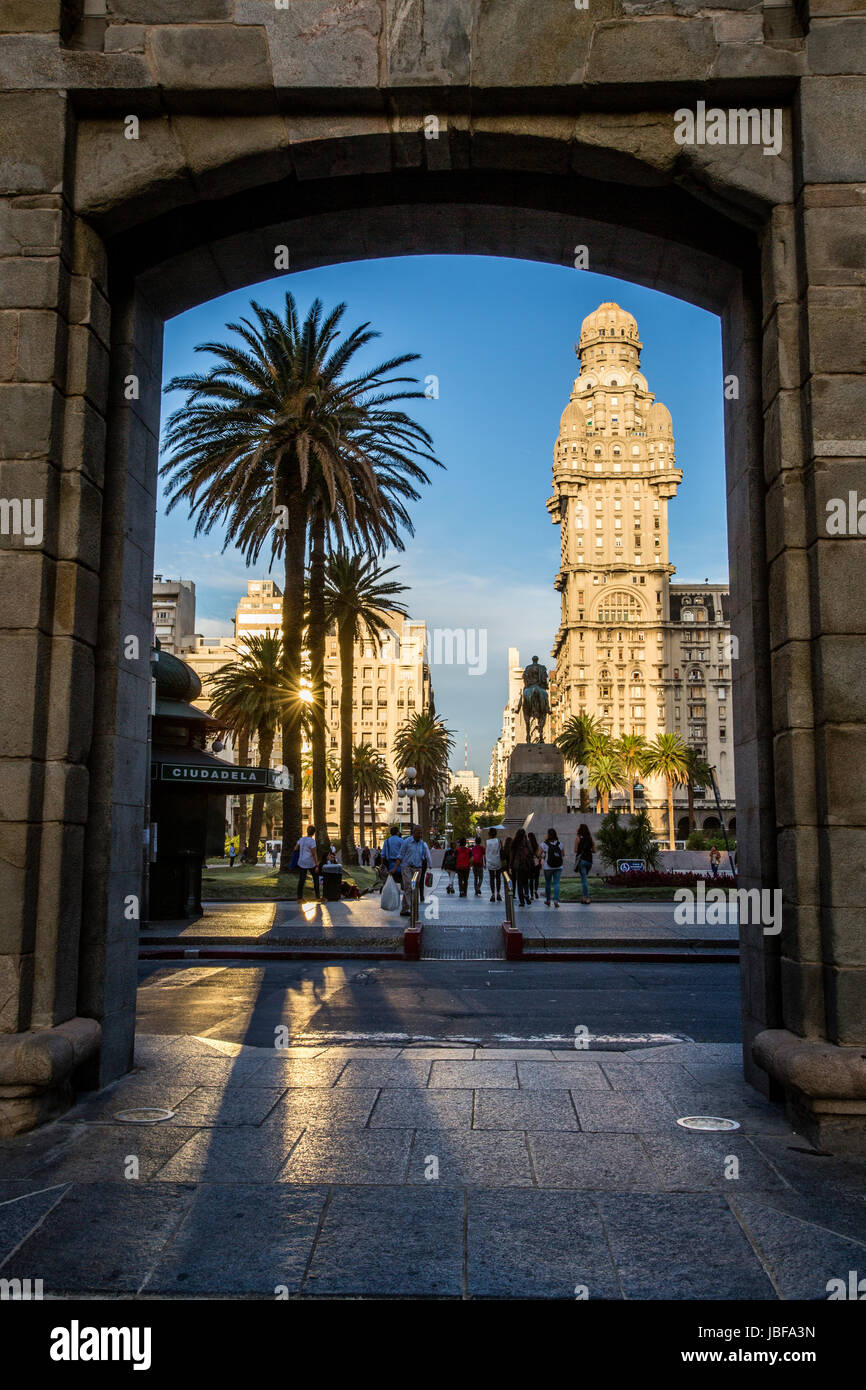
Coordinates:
column 407, row 788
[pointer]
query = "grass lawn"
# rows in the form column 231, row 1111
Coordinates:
column 570, row 891
column 246, row 881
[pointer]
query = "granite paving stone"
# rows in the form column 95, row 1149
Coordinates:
column 409, row 1072
column 241, row 1240
column 537, row 1245
column 618, row 1114
column 349, row 1156
column 430, row 1108
column 416, row 1252
column 102, row 1152
column 102, row 1238
column 752, row 1112
column 248, row 1153
column 679, row 1246
column 592, row 1162
column 699, row 1162
column 213, row 1105
column 470, row 1158
column 437, row 1054
column 513, row 1054
column 334, row 1107
column 23, row 1204
column 280, row 1070
column 824, row 1177
column 802, row 1255
column 474, row 1074
column 562, row 1076
column 163, row 1092
column 524, row 1110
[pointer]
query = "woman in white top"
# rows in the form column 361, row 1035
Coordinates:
column 493, row 864
column 308, row 861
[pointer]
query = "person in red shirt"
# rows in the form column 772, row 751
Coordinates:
column 477, row 852
column 464, row 864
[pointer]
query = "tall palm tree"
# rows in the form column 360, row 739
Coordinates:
column 372, row 780
column 249, row 694
column 276, row 423
column 359, row 598
column 699, row 771
column 423, row 742
column 668, row 758
column 579, row 734
column 605, row 771
column 631, row 751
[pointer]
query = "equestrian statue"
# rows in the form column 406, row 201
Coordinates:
column 534, row 701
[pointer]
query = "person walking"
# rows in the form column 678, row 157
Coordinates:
column 478, row 864
column 232, row 853
column 365, row 856
column 449, row 865
column 464, row 863
column 493, row 864
column 583, row 851
column 535, row 870
column 715, row 860
column 414, row 858
column 521, row 867
column 391, row 850
column 551, row 859
column 308, row 861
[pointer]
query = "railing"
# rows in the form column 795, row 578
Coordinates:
column 412, row 934
column 510, row 930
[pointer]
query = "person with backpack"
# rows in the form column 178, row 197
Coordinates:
column 521, row 867
column 449, row 865
column 464, row 864
column 477, row 851
column 583, row 851
column 551, row 858
column 232, row 853
column 493, row 863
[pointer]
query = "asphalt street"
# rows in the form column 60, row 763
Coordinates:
column 477, row 1001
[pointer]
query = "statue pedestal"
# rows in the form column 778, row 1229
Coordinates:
column 535, row 784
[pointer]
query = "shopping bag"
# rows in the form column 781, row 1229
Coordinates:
column 390, row 899
column 428, row 879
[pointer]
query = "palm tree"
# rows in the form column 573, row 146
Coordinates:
column 605, row 771
column 631, row 751
column 699, row 771
column 668, row 758
column 248, row 694
column 579, row 734
column 359, row 599
column 372, row 780
column 273, row 427
column 423, row 742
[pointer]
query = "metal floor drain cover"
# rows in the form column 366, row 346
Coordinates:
column 455, row 953
column 145, row 1115
column 707, row 1122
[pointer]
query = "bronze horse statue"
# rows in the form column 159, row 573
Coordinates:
column 534, row 701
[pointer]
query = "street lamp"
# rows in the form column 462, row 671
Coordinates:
column 408, row 788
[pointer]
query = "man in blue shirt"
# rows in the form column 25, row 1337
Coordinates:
column 392, row 849
column 414, row 857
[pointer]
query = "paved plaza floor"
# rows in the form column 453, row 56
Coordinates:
column 432, row 1172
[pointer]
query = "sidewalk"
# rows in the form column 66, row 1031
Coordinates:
column 449, row 1172
column 354, row 924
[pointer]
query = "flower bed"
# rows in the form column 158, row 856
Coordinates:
column 658, row 878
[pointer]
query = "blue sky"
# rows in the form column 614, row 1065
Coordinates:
column 499, row 336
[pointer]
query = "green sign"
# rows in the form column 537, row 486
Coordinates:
column 226, row 775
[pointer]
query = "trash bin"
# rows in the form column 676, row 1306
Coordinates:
column 332, row 883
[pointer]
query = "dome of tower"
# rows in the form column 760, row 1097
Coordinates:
column 608, row 321
column 658, row 419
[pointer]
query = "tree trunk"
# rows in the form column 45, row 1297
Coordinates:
column 347, row 783
column 293, row 631
column 631, row 796
column 243, row 759
column 316, row 644
column 691, row 796
column 360, row 817
column 266, row 745
column 671, row 834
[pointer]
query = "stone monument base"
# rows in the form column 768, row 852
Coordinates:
column 535, row 784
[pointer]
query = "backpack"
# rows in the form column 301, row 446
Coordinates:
column 449, row 860
column 554, row 855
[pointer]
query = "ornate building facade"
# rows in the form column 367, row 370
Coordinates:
column 642, row 654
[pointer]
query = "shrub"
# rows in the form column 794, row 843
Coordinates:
column 658, row 878
column 616, row 841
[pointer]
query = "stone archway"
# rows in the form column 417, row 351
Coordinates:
column 173, row 161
